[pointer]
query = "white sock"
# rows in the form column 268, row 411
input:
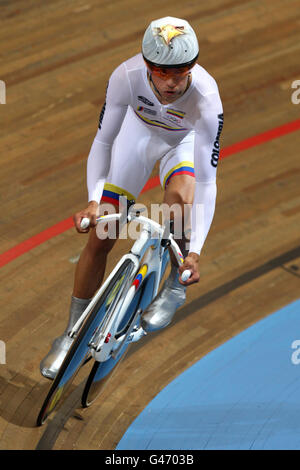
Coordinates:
column 77, row 308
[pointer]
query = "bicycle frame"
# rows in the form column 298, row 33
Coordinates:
column 128, row 290
column 149, row 244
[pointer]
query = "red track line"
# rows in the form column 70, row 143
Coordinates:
column 35, row 241
column 66, row 224
column 261, row 138
column 152, row 183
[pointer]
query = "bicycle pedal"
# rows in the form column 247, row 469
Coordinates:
column 137, row 335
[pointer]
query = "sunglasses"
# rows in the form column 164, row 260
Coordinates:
column 170, row 72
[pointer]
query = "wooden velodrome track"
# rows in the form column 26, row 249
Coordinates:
column 56, row 58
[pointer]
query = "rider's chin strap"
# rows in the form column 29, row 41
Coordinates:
column 150, row 79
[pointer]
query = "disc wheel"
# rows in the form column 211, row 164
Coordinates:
column 79, row 352
column 101, row 372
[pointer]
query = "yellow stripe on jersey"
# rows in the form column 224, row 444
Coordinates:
column 180, row 165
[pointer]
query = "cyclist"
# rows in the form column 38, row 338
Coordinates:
column 160, row 106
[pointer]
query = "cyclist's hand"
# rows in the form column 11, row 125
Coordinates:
column 91, row 213
column 191, row 263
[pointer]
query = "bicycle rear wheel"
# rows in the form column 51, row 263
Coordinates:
column 80, row 350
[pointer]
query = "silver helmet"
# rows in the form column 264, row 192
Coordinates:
column 170, row 42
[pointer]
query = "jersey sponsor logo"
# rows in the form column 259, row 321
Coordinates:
column 175, row 116
column 174, row 120
column 145, row 100
column 146, row 110
column 216, row 149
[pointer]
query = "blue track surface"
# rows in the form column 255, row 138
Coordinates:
column 243, row 395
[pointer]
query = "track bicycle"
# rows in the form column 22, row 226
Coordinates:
column 112, row 320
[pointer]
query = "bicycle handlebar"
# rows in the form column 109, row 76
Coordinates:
column 85, row 222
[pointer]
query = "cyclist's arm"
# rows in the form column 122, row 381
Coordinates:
column 110, row 121
column 206, row 153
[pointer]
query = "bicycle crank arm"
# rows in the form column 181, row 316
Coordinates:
column 130, row 335
column 136, row 334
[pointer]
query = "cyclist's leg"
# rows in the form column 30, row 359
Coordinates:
column 178, row 181
column 130, row 170
column 88, row 278
column 177, row 178
column 90, row 269
column 179, row 195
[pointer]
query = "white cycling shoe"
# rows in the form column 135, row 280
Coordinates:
column 51, row 363
column 160, row 312
column 54, row 359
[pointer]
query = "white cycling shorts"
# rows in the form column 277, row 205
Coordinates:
column 134, row 154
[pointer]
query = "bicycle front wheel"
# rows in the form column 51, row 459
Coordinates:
column 80, row 349
column 103, row 371
column 100, row 374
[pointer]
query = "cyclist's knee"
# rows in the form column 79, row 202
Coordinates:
column 179, row 203
column 180, row 192
column 182, row 198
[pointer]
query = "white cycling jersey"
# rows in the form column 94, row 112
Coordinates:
column 135, row 130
